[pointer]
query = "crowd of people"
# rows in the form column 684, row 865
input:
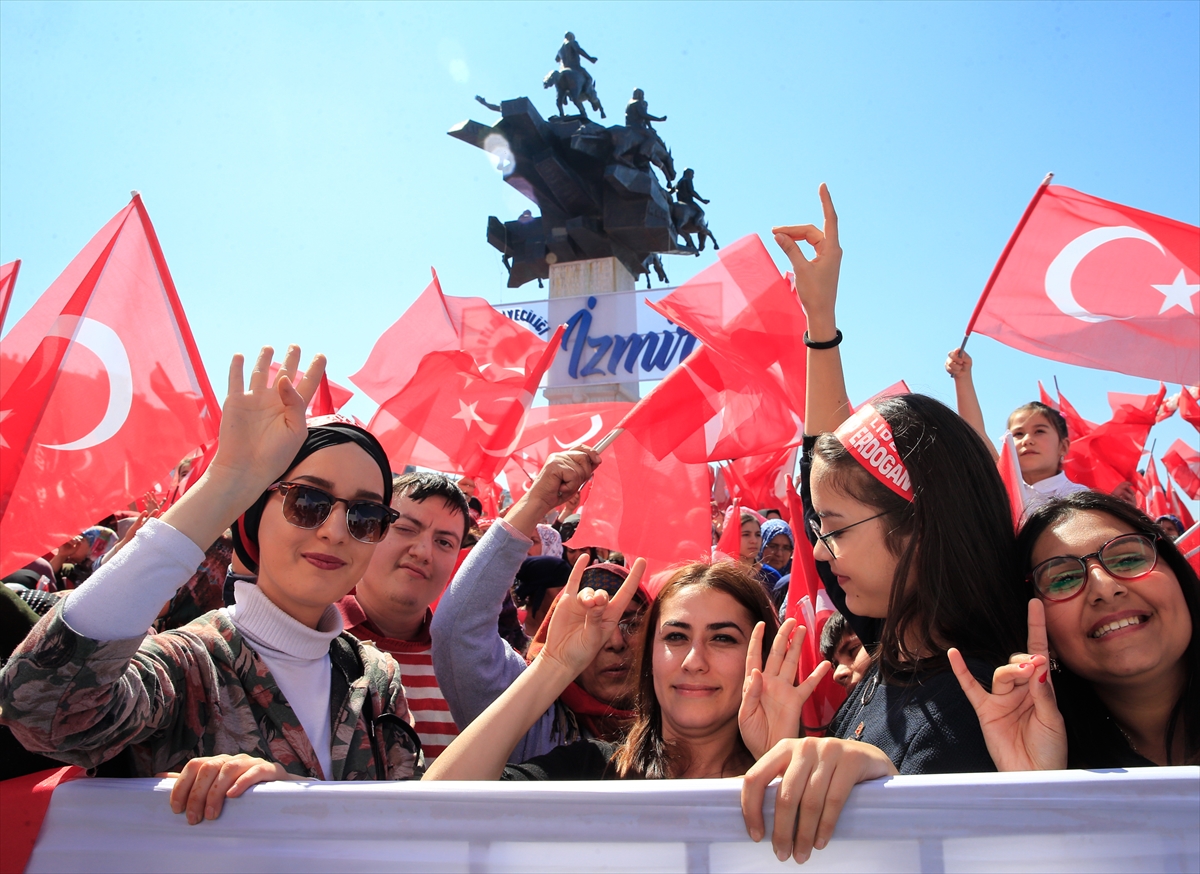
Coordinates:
column 303, row 613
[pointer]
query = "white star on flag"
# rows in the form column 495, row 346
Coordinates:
column 467, row 413
column 1177, row 294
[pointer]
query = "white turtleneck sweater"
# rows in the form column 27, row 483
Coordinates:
column 125, row 595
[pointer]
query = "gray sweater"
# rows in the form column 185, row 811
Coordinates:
column 472, row 662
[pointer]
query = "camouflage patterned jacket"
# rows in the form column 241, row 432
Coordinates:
column 200, row 690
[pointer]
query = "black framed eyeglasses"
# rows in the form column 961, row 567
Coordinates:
column 828, row 539
column 308, row 507
column 1128, row 557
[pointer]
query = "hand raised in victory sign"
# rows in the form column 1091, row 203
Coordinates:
column 771, row 700
column 261, row 431
column 584, row 620
column 1020, row 720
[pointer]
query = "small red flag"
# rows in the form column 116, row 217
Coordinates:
column 1178, row 506
column 1009, row 465
column 729, row 545
column 8, row 281
column 1157, row 503
column 1189, row 545
column 1109, row 454
column 1044, row 397
column 1077, row 426
column 439, row 323
column 760, row 480
column 1158, row 403
column 1183, row 463
column 649, row 508
column 102, row 391
column 1097, row 284
column 1189, row 408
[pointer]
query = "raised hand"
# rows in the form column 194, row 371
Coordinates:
column 584, row 620
column 958, row 364
column 563, row 475
column 204, row 783
column 262, row 428
column 1020, row 720
column 816, row 280
column 818, row 774
column 771, row 700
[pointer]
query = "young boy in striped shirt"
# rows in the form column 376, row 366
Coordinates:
column 390, row 605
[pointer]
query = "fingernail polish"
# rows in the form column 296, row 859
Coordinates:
column 1043, row 677
column 1023, row 665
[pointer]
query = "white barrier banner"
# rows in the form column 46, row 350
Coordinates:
column 1056, row 821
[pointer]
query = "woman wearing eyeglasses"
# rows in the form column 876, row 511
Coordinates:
column 913, row 539
column 1116, row 605
column 271, row 687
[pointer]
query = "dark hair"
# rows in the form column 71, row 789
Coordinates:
column 646, row 753
column 1053, row 416
column 1084, row 712
column 954, row 539
column 831, row 635
column 419, row 486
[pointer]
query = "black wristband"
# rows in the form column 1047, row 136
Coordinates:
column 827, row 344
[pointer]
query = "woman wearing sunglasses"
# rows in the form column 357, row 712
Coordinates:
column 271, row 687
column 1116, row 607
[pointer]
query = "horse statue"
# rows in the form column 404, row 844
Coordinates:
column 570, row 85
column 688, row 219
column 638, row 147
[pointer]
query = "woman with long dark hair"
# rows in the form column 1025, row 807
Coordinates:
column 1115, row 610
column 706, row 704
column 913, row 538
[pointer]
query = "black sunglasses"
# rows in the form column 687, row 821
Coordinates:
column 308, row 507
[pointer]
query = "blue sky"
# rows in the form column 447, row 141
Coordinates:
column 295, row 162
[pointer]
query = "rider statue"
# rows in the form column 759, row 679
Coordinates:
column 637, row 112
column 685, row 189
column 569, row 58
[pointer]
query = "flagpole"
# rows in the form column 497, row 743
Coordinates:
column 987, row 289
column 608, row 438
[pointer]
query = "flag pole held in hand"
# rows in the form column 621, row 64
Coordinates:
column 608, row 438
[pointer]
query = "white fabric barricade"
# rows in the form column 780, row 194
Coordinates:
column 1144, row 820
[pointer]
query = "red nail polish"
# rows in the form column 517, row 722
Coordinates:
column 1023, row 665
column 1043, row 677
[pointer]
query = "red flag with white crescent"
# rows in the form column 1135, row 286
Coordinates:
column 1098, row 284
column 1183, row 464
column 102, row 391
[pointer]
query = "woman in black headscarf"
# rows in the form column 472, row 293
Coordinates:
column 270, row 688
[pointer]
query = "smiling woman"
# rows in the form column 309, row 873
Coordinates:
column 270, row 688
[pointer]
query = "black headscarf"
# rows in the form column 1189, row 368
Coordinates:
column 245, row 529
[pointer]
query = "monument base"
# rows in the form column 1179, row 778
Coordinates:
column 577, row 280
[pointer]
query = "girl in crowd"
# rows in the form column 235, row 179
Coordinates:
column 706, row 706
column 915, row 544
column 750, row 550
column 778, row 545
column 268, row 689
column 1118, row 606
column 1039, row 432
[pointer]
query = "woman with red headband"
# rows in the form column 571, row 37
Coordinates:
column 271, row 688
column 914, row 542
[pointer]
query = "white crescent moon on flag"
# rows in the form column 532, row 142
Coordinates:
column 107, row 346
column 1062, row 268
column 489, row 428
column 596, row 424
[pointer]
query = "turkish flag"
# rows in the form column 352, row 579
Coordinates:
column 554, row 429
column 648, row 508
column 102, row 391
column 1009, row 466
column 742, row 392
column 1044, row 397
column 1077, row 426
column 761, row 480
column 1097, row 284
column 8, row 281
column 453, row 418
column 1108, row 455
column 438, row 323
column 1178, row 506
column 1164, row 410
column 729, row 545
column 1157, row 503
column 1189, row 409
column 1183, row 464
column 1189, row 544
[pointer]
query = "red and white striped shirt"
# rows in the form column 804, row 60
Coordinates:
column 431, row 714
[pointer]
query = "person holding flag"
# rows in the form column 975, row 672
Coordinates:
column 268, row 689
column 914, row 542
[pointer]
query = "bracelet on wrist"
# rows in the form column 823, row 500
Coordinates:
column 824, row 344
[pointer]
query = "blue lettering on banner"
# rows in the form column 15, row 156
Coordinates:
column 538, row 324
column 658, row 349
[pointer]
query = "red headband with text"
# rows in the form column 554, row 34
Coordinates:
column 868, row 437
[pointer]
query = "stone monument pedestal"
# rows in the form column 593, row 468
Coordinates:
column 571, row 284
